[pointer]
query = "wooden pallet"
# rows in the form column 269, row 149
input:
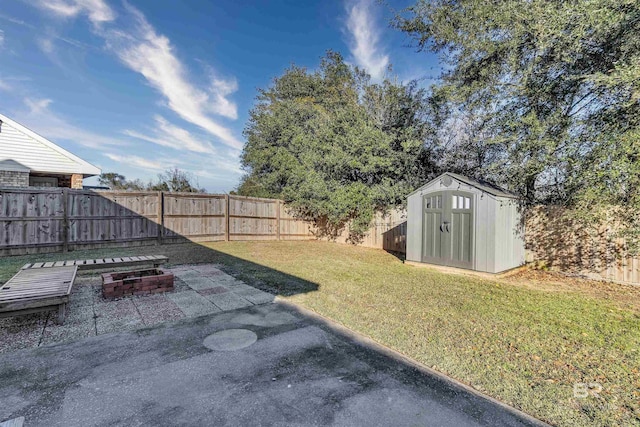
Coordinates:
column 89, row 264
column 35, row 290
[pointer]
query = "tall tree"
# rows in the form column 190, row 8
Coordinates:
column 176, row 180
column 171, row 180
column 115, row 181
column 335, row 146
column 555, row 87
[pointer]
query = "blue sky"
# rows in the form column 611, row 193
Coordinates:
column 142, row 86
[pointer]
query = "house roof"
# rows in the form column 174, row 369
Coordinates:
column 21, row 149
column 481, row 185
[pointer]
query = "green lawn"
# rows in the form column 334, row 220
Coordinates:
column 524, row 345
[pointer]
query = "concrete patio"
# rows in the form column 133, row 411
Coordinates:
column 199, row 290
column 260, row 365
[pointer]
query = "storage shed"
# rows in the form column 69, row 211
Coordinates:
column 460, row 222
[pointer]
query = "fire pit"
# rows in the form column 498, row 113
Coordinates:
column 141, row 282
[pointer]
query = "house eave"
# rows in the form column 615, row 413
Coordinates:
column 83, row 167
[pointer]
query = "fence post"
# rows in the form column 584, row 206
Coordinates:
column 160, row 219
column 226, row 218
column 65, row 220
column 278, row 219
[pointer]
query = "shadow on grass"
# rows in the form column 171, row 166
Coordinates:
column 181, row 253
column 92, row 225
column 256, row 275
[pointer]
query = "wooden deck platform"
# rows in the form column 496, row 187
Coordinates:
column 88, row 264
column 35, row 290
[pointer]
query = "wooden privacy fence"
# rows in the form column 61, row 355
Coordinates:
column 60, row 219
column 388, row 231
column 555, row 240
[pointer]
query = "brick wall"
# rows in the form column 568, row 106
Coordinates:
column 76, row 181
column 64, row 181
column 14, row 179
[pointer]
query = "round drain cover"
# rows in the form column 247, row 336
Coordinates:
column 230, row 339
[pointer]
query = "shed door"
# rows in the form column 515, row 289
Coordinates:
column 448, row 229
column 432, row 240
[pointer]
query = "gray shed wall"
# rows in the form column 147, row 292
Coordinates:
column 509, row 241
column 498, row 243
column 484, row 226
column 414, row 229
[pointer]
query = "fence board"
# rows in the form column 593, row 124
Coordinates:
column 388, row 231
column 562, row 244
column 39, row 220
column 45, row 220
column 194, row 216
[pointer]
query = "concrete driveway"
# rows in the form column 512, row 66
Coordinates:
column 261, row 365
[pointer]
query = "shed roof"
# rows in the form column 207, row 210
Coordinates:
column 22, row 148
column 481, row 185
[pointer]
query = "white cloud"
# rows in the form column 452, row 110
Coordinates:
column 42, row 120
column 220, row 89
column 12, row 83
column 138, row 162
column 221, row 170
column 170, row 135
column 96, row 10
column 46, row 45
column 1, row 39
column 364, row 38
column 37, row 106
column 152, row 55
column 136, row 43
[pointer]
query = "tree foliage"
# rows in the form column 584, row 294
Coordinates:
column 335, row 146
column 115, row 181
column 543, row 96
column 174, row 180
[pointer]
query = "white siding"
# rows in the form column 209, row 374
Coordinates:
column 28, row 150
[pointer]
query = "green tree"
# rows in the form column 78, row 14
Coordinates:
column 115, row 181
column 176, row 180
column 552, row 88
column 335, row 146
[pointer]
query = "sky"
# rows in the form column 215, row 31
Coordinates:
column 139, row 87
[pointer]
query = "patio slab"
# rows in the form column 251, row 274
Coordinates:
column 198, row 283
column 255, row 296
column 232, row 283
column 187, row 274
column 228, row 301
column 193, row 304
column 156, row 309
column 79, row 323
column 179, row 285
column 116, row 316
column 203, row 289
column 209, row 269
column 216, row 290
